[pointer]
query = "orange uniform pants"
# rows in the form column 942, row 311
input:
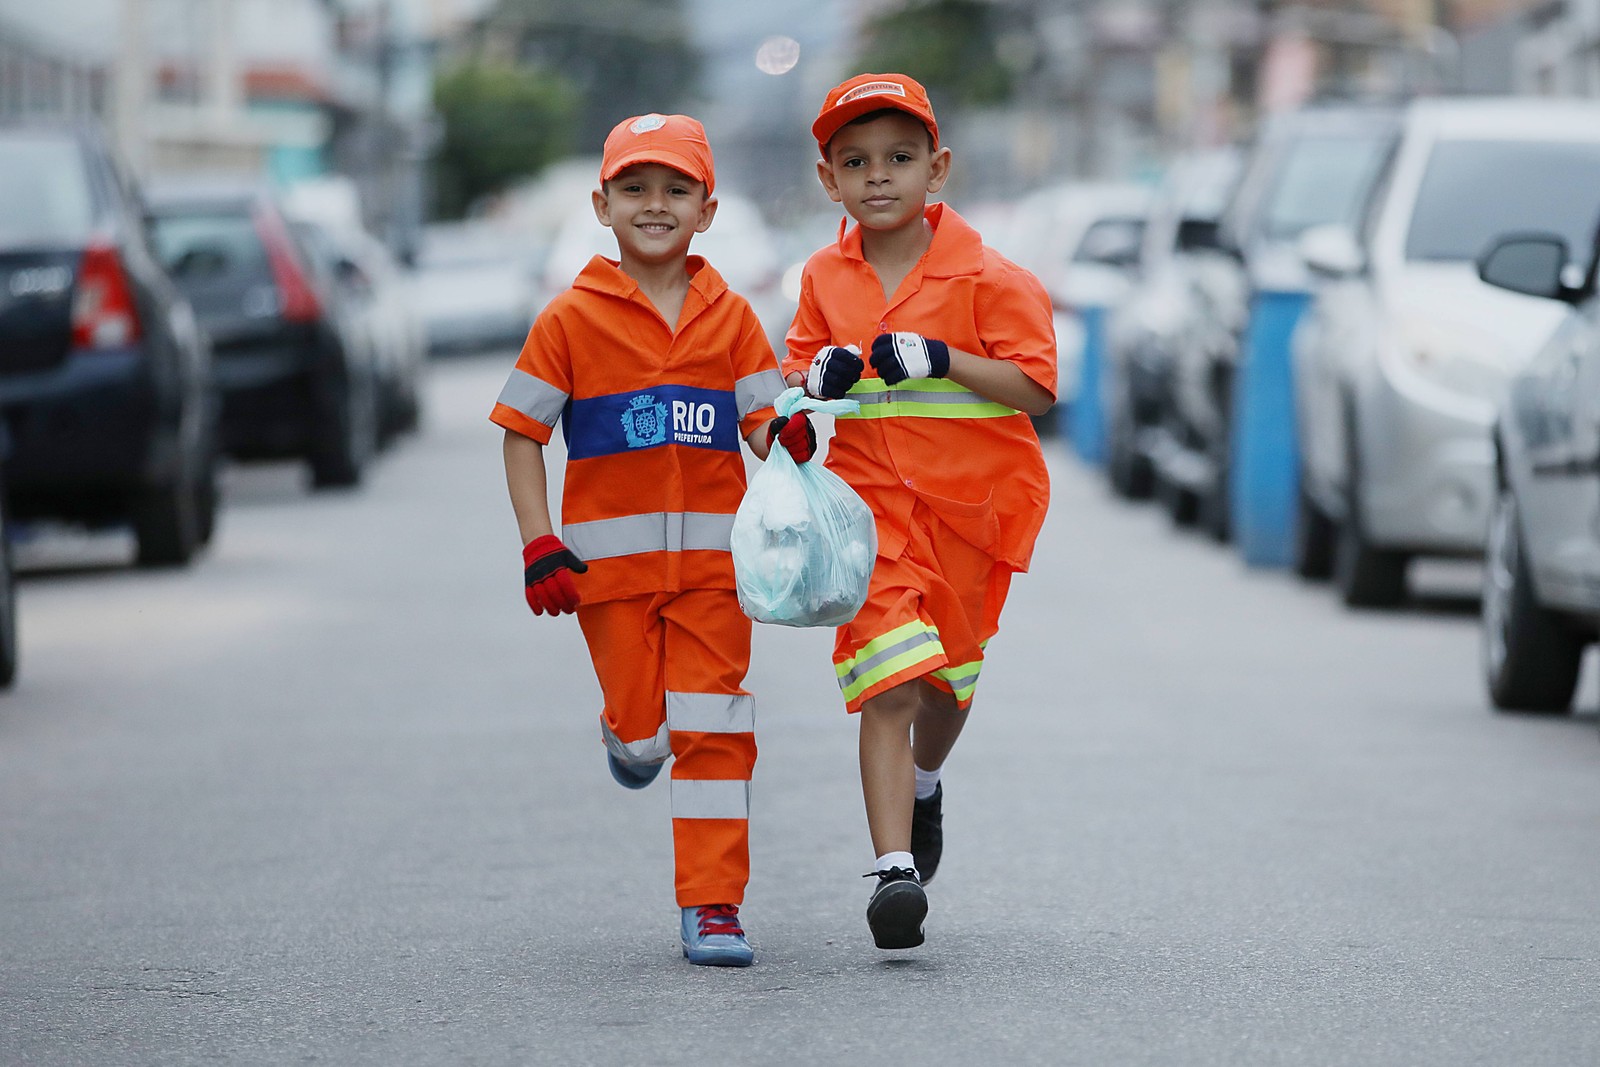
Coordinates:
column 929, row 614
column 671, row 669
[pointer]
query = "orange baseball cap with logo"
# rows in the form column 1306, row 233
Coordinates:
column 676, row 141
column 851, row 99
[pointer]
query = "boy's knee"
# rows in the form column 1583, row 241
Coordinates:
column 904, row 701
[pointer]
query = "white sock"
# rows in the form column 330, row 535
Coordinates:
column 896, row 859
column 927, row 781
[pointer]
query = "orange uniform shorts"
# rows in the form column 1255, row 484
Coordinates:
column 929, row 614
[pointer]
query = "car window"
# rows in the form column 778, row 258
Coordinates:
column 1473, row 191
column 1323, row 180
column 1111, row 241
column 45, row 197
column 211, row 247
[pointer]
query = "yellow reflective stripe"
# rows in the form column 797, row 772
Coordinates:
column 922, row 398
column 962, row 678
column 887, row 655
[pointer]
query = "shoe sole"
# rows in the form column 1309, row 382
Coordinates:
column 718, row 959
column 895, row 915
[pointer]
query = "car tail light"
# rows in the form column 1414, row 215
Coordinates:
column 298, row 301
column 103, row 314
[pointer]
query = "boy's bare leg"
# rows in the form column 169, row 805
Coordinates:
column 888, row 782
column 937, row 726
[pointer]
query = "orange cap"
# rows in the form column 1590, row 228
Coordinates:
column 851, row 99
column 676, row 141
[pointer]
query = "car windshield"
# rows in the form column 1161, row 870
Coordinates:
column 1473, row 191
column 195, row 247
column 1111, row 241
column 44, row 192
column 1324, row 180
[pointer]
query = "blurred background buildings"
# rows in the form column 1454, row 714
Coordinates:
column 430, row 106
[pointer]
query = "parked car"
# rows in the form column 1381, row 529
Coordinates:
column 740, row 245
column 1309, row 167
column 105, row 381
column 296, row 378
column 1404, row 352
column 477, row 286
column 380, row 297
column 1541, row 593
column 1162, row 303
column 8, row 601
column 1081, row 239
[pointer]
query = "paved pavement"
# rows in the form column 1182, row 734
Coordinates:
column 333, row 796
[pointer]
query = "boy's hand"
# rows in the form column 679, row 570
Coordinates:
column 898, row 356
column 795, row 433
column 833, row 371
column 547, row 575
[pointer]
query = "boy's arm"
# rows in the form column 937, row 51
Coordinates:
column 1004, row 383
column 525, row 478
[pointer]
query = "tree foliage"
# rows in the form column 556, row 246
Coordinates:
column 501, row 122
column 947, row 45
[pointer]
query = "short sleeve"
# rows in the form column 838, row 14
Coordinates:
column 757, row 382
column 539, row 386
column 809, row 330
column 1016, row 324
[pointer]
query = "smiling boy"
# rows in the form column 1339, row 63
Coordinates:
column 656, row 371
column 961, row 350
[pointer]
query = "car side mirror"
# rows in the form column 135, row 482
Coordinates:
column 1531, row 263
column 1332, row 251
column 1197, row 234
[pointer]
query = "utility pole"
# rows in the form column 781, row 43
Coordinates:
column 132, row 87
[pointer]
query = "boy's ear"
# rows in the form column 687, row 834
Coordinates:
column 708, row 211
column 602, row 206
column 829, row 183
column 939, row 170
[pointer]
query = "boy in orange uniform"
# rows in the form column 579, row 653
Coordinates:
column 960, row 351
column 657, row 371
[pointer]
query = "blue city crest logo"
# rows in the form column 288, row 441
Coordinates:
column 645, row 421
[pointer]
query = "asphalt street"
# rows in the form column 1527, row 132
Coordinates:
column 333, row 795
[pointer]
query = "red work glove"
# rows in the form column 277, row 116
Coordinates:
column 546, row 578
column 795, row 433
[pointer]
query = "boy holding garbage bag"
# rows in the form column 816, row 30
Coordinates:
column 657, row 371
column 960, row 350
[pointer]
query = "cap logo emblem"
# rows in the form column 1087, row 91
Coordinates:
column 646, row 123
column 872, row 89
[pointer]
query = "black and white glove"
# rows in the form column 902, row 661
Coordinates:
column 898, row 356
column 833, row 371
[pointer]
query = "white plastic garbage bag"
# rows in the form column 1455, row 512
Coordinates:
column 803, row 541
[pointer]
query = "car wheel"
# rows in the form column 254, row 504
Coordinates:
column 8, row 613
column 1182, row 504
column 347, row 436
column 171, row 521
column 1314, row 536
column 1367, row 576
column 1130, row 472
column 1531, row 659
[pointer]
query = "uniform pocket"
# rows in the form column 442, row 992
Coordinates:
column 974, row 521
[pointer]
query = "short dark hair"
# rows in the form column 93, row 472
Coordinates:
column 873, row 116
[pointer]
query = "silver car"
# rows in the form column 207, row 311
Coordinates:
column 1541, row 597
column 1404, row 352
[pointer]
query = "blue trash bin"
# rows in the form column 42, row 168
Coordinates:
column 1086, row 421
column 1266, row 466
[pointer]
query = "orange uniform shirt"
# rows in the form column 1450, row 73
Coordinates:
column 977, row 464
column 654, row 420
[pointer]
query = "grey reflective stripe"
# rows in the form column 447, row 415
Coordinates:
column 711, row 713
column 755, row 391
column 650, row 750
column 959, row 676
column 884, row 655
column 534, row 397
column 656, row 531
column 694, row 798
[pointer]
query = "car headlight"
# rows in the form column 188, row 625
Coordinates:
column 1451, row 359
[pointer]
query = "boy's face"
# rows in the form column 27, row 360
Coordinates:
column 883, row 171
column 654, row 211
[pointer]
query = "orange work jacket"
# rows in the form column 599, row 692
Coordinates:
column 976, row 463
column 654, row 419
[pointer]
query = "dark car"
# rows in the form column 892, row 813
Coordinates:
column 295, row 380
column 1541, row 595
column 105, row 380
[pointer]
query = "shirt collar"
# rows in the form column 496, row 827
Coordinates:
column 957, row 248
column 602, row 275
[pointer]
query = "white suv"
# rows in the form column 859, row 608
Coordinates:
column 1404, row 353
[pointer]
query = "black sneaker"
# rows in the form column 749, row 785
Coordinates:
column 927, row 833
column 897, row 908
